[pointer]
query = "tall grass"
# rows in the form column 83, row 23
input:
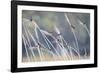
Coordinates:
column 62, row 51
column 67, row 19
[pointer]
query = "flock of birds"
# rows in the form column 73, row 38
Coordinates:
column 55, row 48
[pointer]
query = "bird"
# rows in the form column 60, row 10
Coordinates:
column 73, row 26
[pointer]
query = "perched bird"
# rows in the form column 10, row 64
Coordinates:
column 73, row 27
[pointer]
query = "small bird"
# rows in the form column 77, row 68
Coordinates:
column 73, row 26
column 31, row 19
column 39, row 44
